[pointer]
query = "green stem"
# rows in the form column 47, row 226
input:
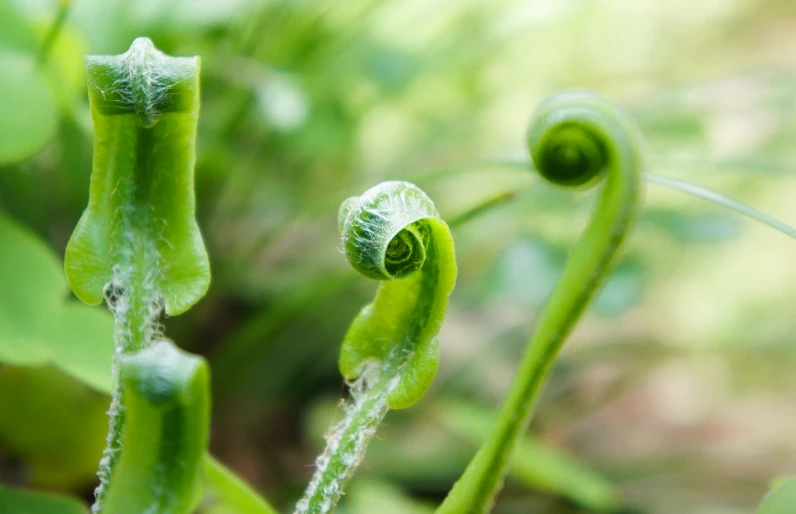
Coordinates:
column 346, row 444
column 131, row 295
column 576, row 137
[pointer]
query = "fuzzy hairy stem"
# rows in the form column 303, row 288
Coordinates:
column 136, row 325
column 346, row 443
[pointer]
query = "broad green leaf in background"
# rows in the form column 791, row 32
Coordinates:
column 29, row 113
column 15, row 33
column 34, row 400
column 781, row 500
column 28, row 502
column 38, row 325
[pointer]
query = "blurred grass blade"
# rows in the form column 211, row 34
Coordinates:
column 481, row 208
column 14, row 501
column 533, row 464
column 781, row 500
column 225, row 493
column 54, row 31
column 722, row 200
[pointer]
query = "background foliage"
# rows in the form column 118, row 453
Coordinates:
column 675, row 394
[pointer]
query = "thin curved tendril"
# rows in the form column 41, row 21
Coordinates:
column 481, row 208
column 722, row 200
column 683, row 186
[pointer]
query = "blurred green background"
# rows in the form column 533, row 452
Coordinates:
column 675, row 394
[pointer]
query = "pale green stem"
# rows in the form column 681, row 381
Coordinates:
column 346, row 443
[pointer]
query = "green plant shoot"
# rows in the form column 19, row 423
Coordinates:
column 166, row 405
column 390, row 354
column 576, row 138
column 138, row 246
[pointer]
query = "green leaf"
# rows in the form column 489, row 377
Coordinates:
column 15, row 33
column 29, row 113
column 781, row 500
column 32, row 402
column 81, row 341
column 32, row 284
column 38, row 325
column 14, row 501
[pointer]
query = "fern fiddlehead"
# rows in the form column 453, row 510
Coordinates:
column 576, row 138
column 138, row 247
column 390, row 353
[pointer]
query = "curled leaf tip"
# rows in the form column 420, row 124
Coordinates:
column 380, row 237
column 572, row 137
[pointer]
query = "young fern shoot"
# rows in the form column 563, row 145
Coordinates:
column 137, row 246
column 576, row 138
column 390, row 354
